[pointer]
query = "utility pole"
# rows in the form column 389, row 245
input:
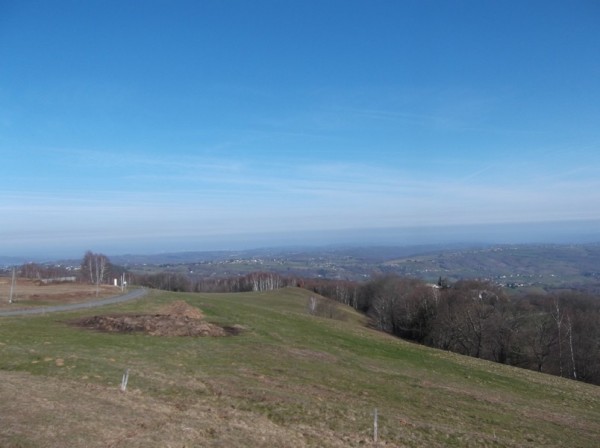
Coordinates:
column 12, row 287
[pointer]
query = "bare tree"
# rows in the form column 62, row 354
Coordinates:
column 570, row 333
column 540, row 339
column 558, row 319
column 94, row 267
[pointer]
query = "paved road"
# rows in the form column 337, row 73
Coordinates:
column 135, row 294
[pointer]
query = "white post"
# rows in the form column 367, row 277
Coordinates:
column 124, row 381
column 312, row 305
column 375, row 426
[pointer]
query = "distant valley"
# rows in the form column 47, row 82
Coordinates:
column 519, row 267
column 513, row 266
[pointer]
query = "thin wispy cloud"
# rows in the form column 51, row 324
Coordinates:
column 170, row 136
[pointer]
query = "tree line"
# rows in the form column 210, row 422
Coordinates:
column 556, row 333
column 37, row 271
column 95, row 269
column 254, row 281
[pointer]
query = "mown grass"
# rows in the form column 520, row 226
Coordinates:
column 315, row 381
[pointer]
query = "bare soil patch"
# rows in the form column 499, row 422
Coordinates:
column 31, row 292
column 175, row 319
column 180, row 308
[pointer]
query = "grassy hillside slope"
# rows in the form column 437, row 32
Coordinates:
column 290, row 379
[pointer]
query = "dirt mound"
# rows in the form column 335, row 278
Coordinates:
column 179, row 308
column 157, row 325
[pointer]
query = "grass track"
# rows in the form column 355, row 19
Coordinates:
column 290, row 379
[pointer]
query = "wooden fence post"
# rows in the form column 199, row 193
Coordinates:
column 124, row 381
column 375, row 425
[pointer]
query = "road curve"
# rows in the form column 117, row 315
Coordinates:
column 135, row 294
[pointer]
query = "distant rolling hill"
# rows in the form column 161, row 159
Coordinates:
column 512, row 265
column 518, row 266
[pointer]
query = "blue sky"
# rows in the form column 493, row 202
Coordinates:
column 174, row 125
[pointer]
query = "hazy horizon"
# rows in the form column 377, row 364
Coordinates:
column 184, row 125
column 581, row 232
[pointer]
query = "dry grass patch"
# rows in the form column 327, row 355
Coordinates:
column 46, row 412
column 31, row 293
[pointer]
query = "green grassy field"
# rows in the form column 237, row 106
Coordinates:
column 289, row 379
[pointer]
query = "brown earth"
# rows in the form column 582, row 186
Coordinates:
column 176, row 319
column 180, row 308
column 30, row 293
